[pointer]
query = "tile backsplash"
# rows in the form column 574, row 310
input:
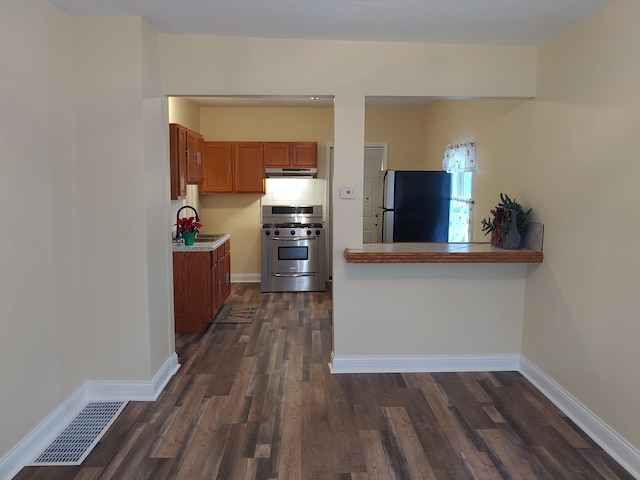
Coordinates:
column 295, row 191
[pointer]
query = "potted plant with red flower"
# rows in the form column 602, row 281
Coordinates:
column 188, row 229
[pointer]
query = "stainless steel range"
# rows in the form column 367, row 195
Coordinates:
column 292, row 249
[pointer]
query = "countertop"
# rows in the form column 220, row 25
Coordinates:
column 201, row 246
column 439, row 253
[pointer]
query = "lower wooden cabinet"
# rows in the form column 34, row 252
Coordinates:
column 201, row 284
column 221, row 277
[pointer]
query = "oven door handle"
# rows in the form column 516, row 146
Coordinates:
column 295, row 239
column 292, row 274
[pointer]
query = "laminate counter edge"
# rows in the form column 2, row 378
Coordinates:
column 438, row 253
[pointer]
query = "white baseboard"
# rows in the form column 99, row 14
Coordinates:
column 423, row 363
column 47, row 430
column 245, row 278
column 134, row 391
column 610, row 441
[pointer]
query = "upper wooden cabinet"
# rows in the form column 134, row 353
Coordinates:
column 195, row 170
column 304, row 154
column 291, row 154
column 218, row 163
column 186, row 159
column 178, row 160
column 233, row 167
column 248, row 159
column 200, row 158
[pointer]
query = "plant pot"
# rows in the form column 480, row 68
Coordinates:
column 512, row 240
column 189, row 237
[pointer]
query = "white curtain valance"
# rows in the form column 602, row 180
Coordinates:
column 460, row 158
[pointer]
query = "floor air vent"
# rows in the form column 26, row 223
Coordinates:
column 78, row 439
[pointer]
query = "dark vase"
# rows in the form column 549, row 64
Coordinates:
column 512, row 240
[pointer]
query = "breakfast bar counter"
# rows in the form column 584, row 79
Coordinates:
column 476, row 252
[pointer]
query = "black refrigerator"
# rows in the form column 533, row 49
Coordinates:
column 415, row 206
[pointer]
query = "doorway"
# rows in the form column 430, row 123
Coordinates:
column 375, row 163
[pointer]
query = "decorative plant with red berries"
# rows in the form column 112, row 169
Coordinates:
column 188, row 225
column 500, row 224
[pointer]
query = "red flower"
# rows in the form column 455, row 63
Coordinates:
column 188, row 224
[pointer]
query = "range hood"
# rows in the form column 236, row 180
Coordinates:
column 291, row 172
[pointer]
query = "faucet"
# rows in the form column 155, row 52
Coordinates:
column 178, row 216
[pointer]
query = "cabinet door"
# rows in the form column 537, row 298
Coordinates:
column 215, row 287
column 226, row 279
column 217, row 160
column 248, row 167
column 191, row 291
column 199, row 159
column 178, row 162
column 277, row 154
column 192, row 162
column 304, row 154
column 224, row 269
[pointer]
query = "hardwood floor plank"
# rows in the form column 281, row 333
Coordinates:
column 535, row 430
column 604, row 465
column 466, row 404
column 208, row 442
column 514, row 455
column 89, row 473
column 477, row 463
column 188, row 414
column 316, row 431
column 257, row 401
column 130, row 445
column 445, row 461
column 290, row 460
column 400, row 424
column 376, row 460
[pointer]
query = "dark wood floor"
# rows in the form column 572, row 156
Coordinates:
column 257, row 401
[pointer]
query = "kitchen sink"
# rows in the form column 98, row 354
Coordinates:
column 208, row 238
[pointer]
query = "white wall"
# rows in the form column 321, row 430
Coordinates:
column 113, row 240
column 349, row 71
column 581, row 313
column 432, row 310
column 41, row 345
column 86, row 261
column 158, row 212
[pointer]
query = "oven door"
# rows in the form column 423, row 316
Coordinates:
column 293, row 255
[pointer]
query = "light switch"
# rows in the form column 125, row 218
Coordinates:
column 347, row 192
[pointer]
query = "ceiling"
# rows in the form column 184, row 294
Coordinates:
column 489, row 22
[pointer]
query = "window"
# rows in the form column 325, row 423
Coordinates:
column 461, row 207
column 460, row 161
